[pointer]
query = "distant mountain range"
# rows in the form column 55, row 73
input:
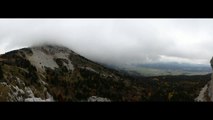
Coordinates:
column 170, row 68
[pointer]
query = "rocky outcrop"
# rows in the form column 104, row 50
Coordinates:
column 98, row 99
column 206, row 94
column 210, row 86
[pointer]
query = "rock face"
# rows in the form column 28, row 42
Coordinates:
column 98, row 99
column 206, row 94
column 210, row 87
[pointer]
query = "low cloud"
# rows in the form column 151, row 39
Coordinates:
column 116, row 41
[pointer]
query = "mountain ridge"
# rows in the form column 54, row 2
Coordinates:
column 56, row 73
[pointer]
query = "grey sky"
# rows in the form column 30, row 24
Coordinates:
column 116, row 40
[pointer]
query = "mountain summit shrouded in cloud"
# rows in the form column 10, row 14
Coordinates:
column 56, row 73
column 116, row 41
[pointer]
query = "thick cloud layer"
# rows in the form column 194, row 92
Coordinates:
column 118, row 41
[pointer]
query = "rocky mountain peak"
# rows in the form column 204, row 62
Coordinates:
column 52, row 49
column 55, row 73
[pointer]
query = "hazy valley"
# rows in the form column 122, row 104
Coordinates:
column 170, row 68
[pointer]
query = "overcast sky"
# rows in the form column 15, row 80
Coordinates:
column 116, row 41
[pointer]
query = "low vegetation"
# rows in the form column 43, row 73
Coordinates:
column 88, row 79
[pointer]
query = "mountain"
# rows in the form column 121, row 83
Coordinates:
column 56, row 73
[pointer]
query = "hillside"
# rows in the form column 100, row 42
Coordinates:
column 56, row 73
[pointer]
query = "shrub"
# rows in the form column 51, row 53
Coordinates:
column 1, row 73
